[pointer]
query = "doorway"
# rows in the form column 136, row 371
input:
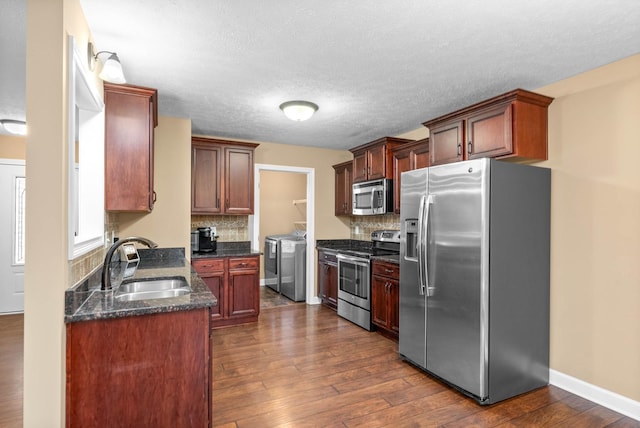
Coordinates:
column 305, row 206
column 12, row 235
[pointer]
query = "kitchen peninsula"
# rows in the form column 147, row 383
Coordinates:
column 144, row 362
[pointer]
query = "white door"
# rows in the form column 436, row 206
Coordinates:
column 12, row 218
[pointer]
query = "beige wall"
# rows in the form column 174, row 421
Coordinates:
column 169, row 224
column 13, row 147
column 327, row 225
column 594, row 124
column 48, row 23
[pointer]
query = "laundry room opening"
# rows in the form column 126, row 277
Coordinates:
column 284, row 212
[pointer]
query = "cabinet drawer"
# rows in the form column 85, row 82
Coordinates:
column 208, row 265
column 327, row 257
column 386, row 269
column 243, row 263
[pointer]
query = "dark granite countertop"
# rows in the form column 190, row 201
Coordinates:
column 228, row 249
column 344, row 245
column 392, row 258
column 354, row 246
column 85, row 301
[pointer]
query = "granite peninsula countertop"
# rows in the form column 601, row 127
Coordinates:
column 86, row 301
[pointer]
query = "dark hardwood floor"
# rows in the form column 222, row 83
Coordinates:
column 11, row 344
column 303, row 366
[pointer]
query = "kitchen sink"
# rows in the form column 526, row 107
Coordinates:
column 152, row 288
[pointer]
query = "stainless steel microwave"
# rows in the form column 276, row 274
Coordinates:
column 372, row 197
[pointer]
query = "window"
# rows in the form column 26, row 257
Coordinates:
column 19, row 230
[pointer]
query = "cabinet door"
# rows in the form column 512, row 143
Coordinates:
column 489, row 133
column 128, row 149
column 420, row 158
column 379, row 290
column 238, row 181
column 377, row 162
column 206, row 179
column 244, row 294
column 446, row 142
column 328, row 284
column 393, row 306
column 332, row 285
column 401, row 163
column 343, row 189
column 360, row 166
column 215, row 282
column 322, row 281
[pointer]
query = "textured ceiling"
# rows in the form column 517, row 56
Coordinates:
column 375, row 68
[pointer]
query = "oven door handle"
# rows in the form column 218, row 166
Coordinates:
column 355, row 260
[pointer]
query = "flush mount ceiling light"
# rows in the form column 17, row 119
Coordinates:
column 111, row 68
column 298, row 110
column 15, row 127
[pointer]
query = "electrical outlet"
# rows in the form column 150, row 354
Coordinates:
column 213, row 231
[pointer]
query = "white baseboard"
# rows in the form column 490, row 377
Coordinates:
column 611, row 400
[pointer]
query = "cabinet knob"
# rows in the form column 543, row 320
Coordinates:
column 388, row 270
column 469, row 146
column 217, row 202
column 459, row 149
column 155, row 196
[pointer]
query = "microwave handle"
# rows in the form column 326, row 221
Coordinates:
column 373, row 194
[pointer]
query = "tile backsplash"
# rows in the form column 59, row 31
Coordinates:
column 362, row 226
column 82, row 266
column 229, row 228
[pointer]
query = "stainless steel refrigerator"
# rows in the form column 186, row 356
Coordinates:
column 474, row 275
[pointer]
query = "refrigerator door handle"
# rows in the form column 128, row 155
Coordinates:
column 427, row 211
column 422, row 248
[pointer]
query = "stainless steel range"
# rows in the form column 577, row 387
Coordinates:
column 354, row 276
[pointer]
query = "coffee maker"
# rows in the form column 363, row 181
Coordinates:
column 203, row 240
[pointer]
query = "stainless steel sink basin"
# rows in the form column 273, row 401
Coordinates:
column 152, row 288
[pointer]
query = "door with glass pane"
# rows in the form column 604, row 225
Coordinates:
column 12, row 238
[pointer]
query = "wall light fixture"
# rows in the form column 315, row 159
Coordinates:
column 111, row 68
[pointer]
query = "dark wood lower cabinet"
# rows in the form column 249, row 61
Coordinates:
column 235, row 281
column 328, row 279
column 385, row 302
column 140, row 371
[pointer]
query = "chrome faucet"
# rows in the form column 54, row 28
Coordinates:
column 106, row 268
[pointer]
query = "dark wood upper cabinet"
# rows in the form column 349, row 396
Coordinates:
column 343, row 172
column 511, row 125
column 373, row 160
column 407, row 157
column 131, row 114
column 221, row 176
